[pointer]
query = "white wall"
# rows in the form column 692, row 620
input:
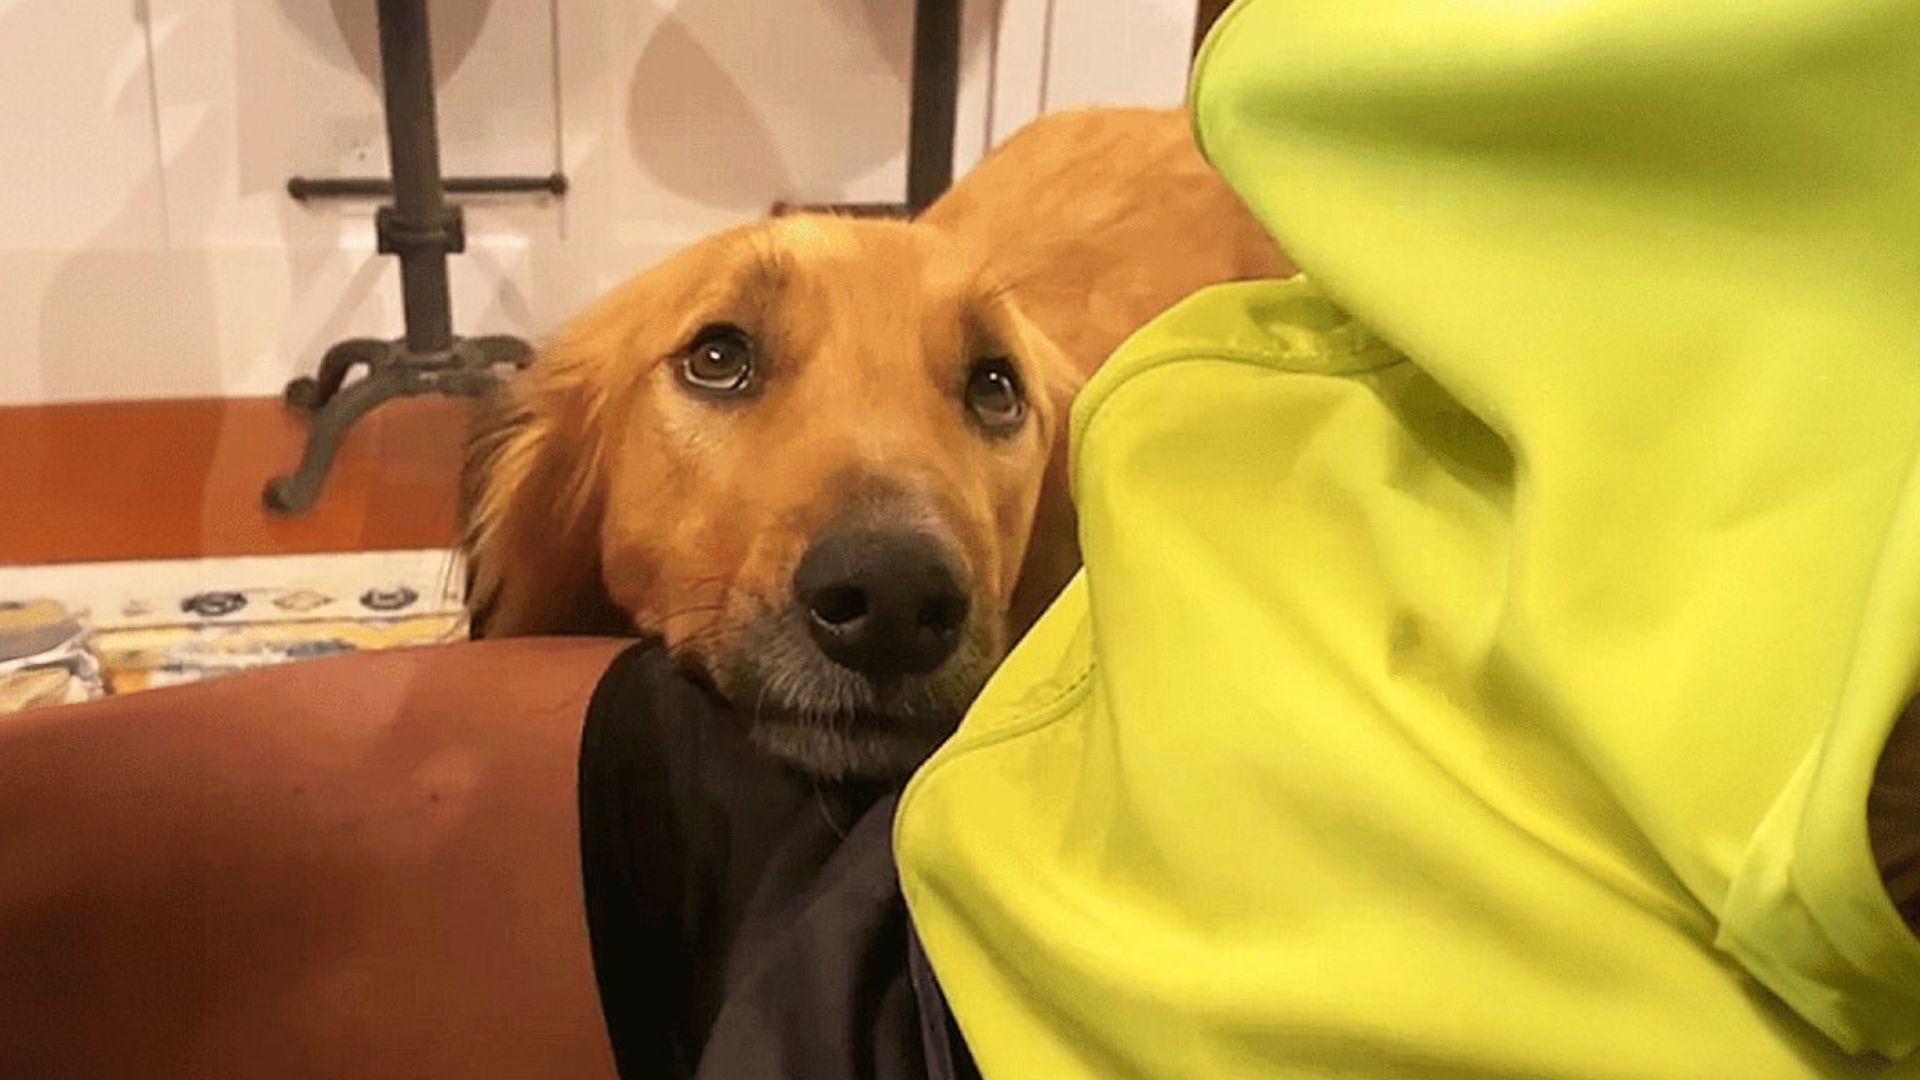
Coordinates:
column 148, row 247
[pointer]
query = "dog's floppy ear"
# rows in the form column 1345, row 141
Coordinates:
column 532, row 495
column 1053, row 549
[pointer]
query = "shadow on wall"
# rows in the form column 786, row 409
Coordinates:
column 732, row 109
column 112, row 305
column 347, row 33
column 143, row 314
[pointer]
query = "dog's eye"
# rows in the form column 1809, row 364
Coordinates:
column 719, row 360
column 994, row 396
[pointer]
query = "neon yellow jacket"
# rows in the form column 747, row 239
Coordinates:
column 1503, row 703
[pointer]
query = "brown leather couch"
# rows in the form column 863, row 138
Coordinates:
column 365, row 867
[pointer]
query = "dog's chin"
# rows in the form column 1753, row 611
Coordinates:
column 854, row 747
column 833, row 723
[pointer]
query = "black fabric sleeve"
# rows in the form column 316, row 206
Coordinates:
column 746, row 922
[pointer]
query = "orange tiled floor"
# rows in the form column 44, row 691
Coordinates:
column 178, row 479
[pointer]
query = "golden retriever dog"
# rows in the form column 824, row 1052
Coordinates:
column 822, row 458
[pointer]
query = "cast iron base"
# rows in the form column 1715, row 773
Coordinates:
column 467, row 369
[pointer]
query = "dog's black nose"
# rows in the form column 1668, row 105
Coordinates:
column 882, row 603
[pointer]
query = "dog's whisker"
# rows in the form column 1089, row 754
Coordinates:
column 759, row 704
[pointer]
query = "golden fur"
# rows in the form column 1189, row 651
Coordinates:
column 604, row 496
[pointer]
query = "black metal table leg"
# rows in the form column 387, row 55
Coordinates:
column 330, row 424
column 392, row 372
column 935, row 93
column 421, row 230
column 309, row 393
column 418, row 226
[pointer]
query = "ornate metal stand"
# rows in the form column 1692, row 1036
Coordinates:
column 421, row 229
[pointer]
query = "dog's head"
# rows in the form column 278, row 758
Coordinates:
column 817, row 457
